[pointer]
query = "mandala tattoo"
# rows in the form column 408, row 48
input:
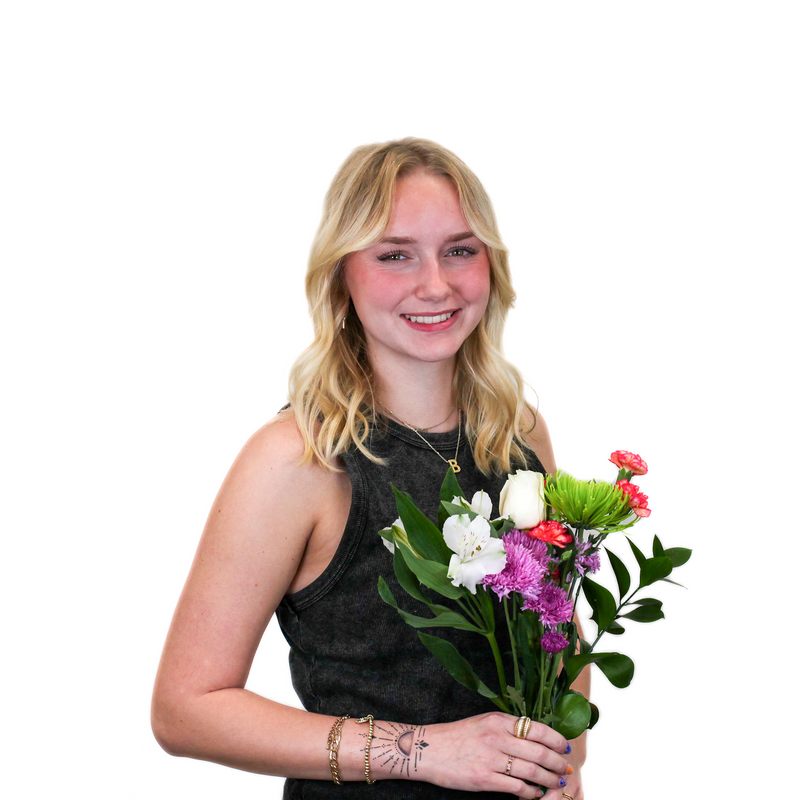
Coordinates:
column 400, row 746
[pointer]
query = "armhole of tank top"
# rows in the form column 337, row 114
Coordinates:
column 348, row 544
column 537, row 465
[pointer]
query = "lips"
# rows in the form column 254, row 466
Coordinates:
column 441, row 324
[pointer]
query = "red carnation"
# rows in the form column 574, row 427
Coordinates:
column 552, row 532
column 636, row 499
column 629, row 461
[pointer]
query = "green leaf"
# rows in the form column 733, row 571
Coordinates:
column 487, row 608
column 430, row 573
column 638, row 554
column 654, row 569
column 602, row 602
column 595, row 715
column 500, row 526
column 572, row 715
column 423, row 535
column 616, row 667
column 621, row 571
column 406, row 578
column 615, row 628
column 450, row 486
column 678, row 555
column 669, row 580
column 515, row 696
column 646, row 601
column 445, row 618
column 658, row 548
column 454, row 508
column 456, row 664
column 645, row 614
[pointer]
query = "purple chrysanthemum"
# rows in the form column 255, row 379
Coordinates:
column 586, row 563
column 553, row 641
column 524, row 569
column 551, row 604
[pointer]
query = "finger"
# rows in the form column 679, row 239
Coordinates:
column 573, row 789
column 539, row 732
column 538, row 754
column 514, row 786
column 533, row 773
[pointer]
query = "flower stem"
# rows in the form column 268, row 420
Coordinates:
column 498, row 660
column 517, row 681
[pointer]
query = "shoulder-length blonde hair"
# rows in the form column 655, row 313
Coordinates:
column 331, row 383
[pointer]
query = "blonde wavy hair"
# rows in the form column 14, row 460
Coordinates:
column 331, row 383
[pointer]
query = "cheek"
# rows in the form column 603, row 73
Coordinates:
column 376, row 289
column 478, row 285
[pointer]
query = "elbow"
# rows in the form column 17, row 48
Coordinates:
column 164, row 722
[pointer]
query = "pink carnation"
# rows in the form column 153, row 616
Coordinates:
column 629, row 461
column 552, row 532
column 636, row 499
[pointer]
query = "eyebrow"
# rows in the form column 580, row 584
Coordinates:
column 409, row 240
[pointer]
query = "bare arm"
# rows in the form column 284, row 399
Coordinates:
column 252, row 544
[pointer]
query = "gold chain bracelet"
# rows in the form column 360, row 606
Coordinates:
column 367, row 770
column 334, row 740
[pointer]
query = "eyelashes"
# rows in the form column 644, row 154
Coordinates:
column 393, row 255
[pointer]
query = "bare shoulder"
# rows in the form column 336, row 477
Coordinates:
column 537, row 437
column 253, row 542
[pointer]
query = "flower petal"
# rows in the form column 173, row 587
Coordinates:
column 455, row 530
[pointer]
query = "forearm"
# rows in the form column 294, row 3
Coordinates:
column 241, row 729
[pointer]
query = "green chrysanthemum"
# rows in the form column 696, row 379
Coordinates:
column 591, row 505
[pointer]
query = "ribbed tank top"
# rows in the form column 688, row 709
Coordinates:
column 350, row 653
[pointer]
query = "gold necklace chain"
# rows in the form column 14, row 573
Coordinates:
column 453, row 462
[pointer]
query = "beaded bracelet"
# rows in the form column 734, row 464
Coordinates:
column 334, row 740
column 367, row 771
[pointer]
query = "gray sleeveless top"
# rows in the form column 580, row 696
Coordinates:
column 350, row 653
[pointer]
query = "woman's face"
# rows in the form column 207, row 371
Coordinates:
column 423, row 288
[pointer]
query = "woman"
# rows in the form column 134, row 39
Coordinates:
column 408, row 288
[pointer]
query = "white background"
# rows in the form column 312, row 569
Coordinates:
column 162, row 171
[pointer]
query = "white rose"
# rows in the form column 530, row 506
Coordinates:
column 522, row 498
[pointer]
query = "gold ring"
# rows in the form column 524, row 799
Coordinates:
column 568, row 796
column 522, row 726
column 508, row 766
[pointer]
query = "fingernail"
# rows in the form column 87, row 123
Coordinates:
column 562, row 782
column 570, row 769
column 569, row 748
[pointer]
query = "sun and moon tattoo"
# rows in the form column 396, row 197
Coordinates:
column 399, row 745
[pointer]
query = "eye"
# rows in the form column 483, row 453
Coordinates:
column 392, row 255
column 464, row 249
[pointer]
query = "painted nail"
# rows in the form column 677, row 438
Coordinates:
column 562, row 782
column 570, row 769
column 569, row 748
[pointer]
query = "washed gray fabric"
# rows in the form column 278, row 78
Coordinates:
column 350, row 653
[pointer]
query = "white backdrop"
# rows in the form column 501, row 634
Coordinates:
column 162, row 171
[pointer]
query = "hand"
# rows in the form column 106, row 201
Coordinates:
column 473, row 754
column 574, row 788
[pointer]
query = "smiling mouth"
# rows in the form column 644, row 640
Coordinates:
column 429, row 319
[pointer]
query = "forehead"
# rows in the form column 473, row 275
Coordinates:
column 424, row 200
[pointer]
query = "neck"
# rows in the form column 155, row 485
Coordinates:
column 421, row 397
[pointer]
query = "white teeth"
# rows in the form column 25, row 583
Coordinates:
column 430, row 320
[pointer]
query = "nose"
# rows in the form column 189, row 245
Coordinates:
column 433, row 283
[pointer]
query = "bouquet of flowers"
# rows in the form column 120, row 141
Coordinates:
column 525, row 569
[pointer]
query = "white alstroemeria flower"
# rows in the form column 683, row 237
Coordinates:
column 475, row 553
column 522, row 498
column 388, row 542
column 481, row 503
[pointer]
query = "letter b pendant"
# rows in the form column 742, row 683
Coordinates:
column 454, row 464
